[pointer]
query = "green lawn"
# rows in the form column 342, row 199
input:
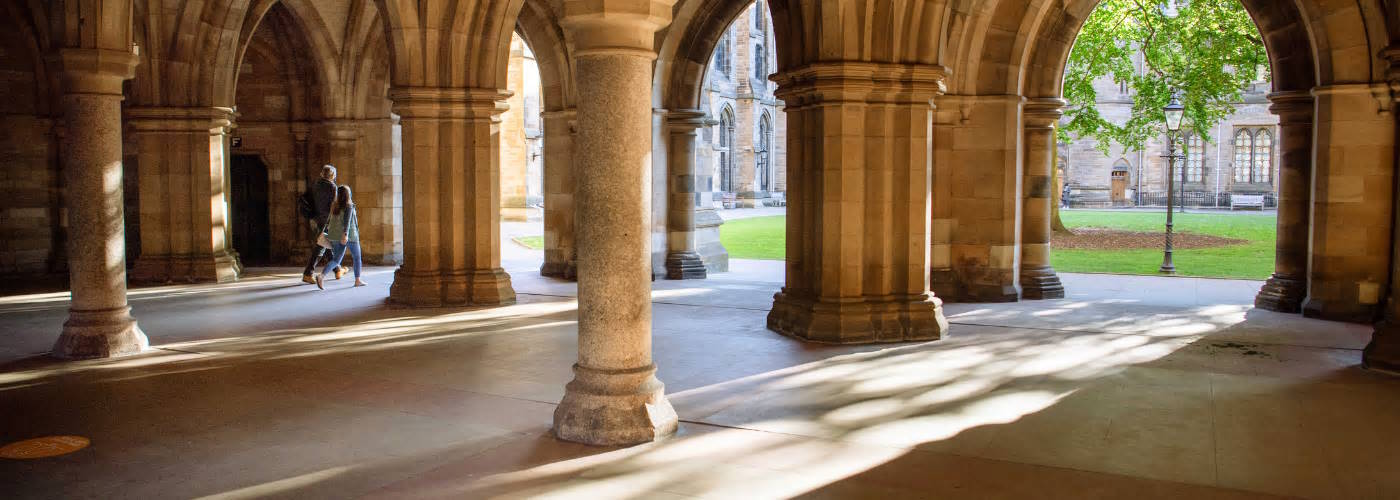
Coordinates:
column 531, row 242
column 1253, row 260
column 755, row 238
column 763, row 238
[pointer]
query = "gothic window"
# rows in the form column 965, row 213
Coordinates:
column 1244, row 145
column 1254, row 155
column 726, row 148
column 760, row 63
column 761, row 155
column 1263, row 156
column 722, row 59
column 1195, row 158
column 758, row 9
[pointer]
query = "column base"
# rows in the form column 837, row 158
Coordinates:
column 1283, row 295
column 984, row 292
column 614, row 408
column 1332, row 311
column 1383, row 353
column 515, row 214
column 219, row 267
column 1039, row 283
column 491, row 287
column 858, row 321
column 685, row 266
column 487, row 287
column 99, row 334
column 561, row 270
column 416, row 289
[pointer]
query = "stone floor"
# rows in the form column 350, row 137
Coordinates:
column 1132, row 386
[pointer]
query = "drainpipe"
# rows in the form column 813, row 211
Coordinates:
column 1218, row 137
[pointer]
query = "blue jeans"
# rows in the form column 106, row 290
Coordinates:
column 338, row 252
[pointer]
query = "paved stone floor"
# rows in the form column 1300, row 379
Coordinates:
column 1132, row 386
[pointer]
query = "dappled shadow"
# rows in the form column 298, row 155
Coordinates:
column 457, row 403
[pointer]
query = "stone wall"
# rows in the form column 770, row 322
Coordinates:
column 30, row 220
column 1088, row 170
column 749, row 97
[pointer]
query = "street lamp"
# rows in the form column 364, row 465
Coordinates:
column 1174, row 112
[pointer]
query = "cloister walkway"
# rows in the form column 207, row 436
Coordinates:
column 1142, row 386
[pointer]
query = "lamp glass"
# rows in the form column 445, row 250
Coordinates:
column 1174, row 112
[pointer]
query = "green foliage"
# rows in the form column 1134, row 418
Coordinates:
column 1252, row 260
column 1209, row 51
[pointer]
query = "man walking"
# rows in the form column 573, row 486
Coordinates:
column 321, row 194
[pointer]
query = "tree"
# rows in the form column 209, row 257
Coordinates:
column 1206, row 50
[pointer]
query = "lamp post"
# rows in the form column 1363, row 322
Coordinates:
column 1174, row 112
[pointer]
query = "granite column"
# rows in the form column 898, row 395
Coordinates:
column 615, row 397
column 99, row 321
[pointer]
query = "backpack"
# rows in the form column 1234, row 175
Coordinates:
column 306, row 206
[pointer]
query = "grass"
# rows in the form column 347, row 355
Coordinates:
column 531, row 242
column 755, row 238
column 764, row 238
column 1252, row 260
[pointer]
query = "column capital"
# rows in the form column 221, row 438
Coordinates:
column 686, row 121
column 860, row 82
column 1292, row 106
column 179, row 119
column 1043, row 112
column 615, row 27
column 449, row 103
column 346, row 129
column 94, row 71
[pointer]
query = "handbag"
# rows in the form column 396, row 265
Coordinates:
column 322, row 240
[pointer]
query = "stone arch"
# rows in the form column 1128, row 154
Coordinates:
column 539, row 27
column 288, row 47
column 685, row 53
column 472, row 52
column 29, row 146
column 309, row 36
column 1297, row 50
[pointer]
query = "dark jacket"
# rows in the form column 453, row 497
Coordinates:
column 323, row 191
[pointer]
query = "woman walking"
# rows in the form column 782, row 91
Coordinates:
column 343, row 230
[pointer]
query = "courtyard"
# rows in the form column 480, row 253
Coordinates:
column 1143, row 386
column 1208, row 243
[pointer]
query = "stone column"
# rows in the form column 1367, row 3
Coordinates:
column 99, row 320
column 301, row 153
column 560, row 255
column 1284, row 291
column 977, row 213
column 1038, row 279
column 515, row 153
column 615, row 397
column 184, row 196
column 1353, row 179
column 451, row 197
column 858, row 211
column 1383, row 352
column 682, row 259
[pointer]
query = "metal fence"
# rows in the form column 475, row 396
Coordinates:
column 1199, row 199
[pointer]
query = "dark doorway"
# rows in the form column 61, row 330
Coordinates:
column 251, row 229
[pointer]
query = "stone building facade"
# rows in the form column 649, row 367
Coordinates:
column 919, row 157
column 1239, row 155
column 522, row 137
column 746, row 145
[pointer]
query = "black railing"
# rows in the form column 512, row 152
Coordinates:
column 1197, row 199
